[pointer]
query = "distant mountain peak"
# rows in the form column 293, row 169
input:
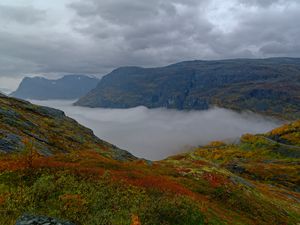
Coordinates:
column 66, row 87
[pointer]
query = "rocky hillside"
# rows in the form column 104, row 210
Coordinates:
column 46, row 130
column 252, row 182
column 67, row 87
column 267, row 86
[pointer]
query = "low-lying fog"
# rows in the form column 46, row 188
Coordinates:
column 157, row 133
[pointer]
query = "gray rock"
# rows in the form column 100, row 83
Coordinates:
column 240, row 180
column 47, row 111
column 10, row 142
column 13, row 118
column 235, row 168
column 122, row 155
column 9, row 113
column 40, row 220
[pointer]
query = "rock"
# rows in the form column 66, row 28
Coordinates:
column 9, row 113
column 40, row 220
column 47, row 111
column 239, row 180
column 122, row 155
column 236, row 168
column 15, row 119
column 10, row 142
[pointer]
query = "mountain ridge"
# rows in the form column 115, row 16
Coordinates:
column 267, row 86
column 67, row 87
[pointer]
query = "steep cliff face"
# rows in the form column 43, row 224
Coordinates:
column 67, row 87
column 268, row 86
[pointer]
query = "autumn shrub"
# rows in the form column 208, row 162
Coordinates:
column 73, row 206
column 166, row 210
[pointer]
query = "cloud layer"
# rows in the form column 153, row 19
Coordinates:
column 95, row 36
column 157, row 133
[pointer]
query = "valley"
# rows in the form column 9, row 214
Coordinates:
column 83, row 179
column 158, row 133
column 138, row 112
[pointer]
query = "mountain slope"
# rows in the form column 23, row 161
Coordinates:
column 262, row 158
column 47, row 130
column 67, row 87
column 94, row 183
column 267, row 86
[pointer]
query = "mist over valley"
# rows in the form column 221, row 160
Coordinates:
column 158, row 133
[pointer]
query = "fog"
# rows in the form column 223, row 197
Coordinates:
column 157, row 133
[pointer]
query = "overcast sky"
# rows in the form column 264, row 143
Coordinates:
column 95, row 36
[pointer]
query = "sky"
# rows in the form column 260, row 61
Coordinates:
column 158, row 133
column 52, row 38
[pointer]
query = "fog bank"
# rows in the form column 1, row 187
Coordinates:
column 157, row 133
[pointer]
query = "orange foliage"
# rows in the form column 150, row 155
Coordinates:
column 201, row 163
column 215, row 180
column 2, row 199
column 30, row 152
column 216, row 144
column 155, row 182
column 72, row 202
column 182, row 170
column 135, row 220
column 178, row 157
column 249, row 138
column 93, row 165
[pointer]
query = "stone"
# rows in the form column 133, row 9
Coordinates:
column 40, row 220
column 10, row 142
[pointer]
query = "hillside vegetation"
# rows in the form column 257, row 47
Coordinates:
column 253, row 182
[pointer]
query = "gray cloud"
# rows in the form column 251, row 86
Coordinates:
column 265, row 3
column 21, row 14
column 150, row 33
column 96, row 36
column 158, row 133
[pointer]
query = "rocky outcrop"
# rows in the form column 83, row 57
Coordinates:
column 40, row 220
column 10, row 142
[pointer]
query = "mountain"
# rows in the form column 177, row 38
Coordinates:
column 67, row 87
column 267, row 86
column 52, row 167
column 47, row 130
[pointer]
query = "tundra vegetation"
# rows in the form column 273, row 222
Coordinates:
column 50, row 165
